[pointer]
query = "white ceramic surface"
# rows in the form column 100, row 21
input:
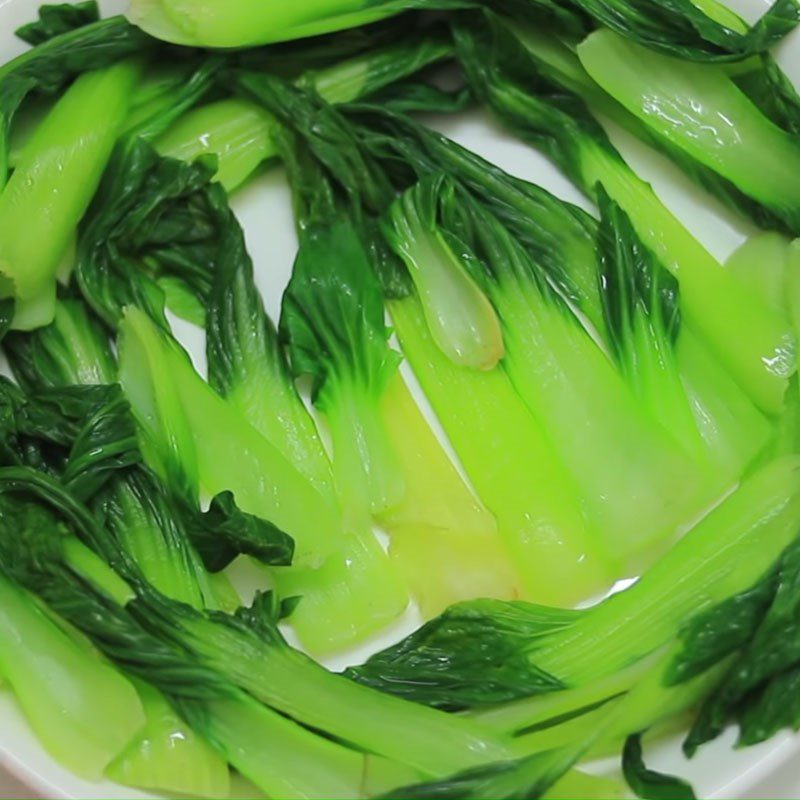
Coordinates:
column 263, row 206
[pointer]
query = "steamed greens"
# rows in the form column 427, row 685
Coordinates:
column 472, row 403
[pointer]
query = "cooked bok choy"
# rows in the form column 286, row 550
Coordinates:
column 540, row 669
column 745, row 335
column 388, row 464
column 653, row 486
column 146, row 201
column 699, row 110
column 207, row 23
column 104, row 468
column 240, row 133
column 617, row 402
column 269, row 670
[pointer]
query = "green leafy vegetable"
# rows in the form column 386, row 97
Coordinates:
column 444, row 543
column 72, row 350
column 699, row 110
column 642, row 306
column 150, row 216
column 52, row 64
column 51, row 187
column 748, row 338
column 241, row 24
column 747, row 533
column 81, row 709
column 56, row 20
column 267, row 667
column 465, row 327
column 647, row 784
column 706, row 31
column 550, row 349
column 505, row 452
column 333, row 320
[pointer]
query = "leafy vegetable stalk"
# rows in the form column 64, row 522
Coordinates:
column 723, row 644
column 459, row 315
column 242, row 24
column 240, row 132
column 161, row 219
column 81, row 709
column 699, row 110
column 754, row 345
column 512, row 465
column 75, row 351
column 574, row 392
column 387, row 463
column 168, row 633
column 52, row 186
column 328, row 617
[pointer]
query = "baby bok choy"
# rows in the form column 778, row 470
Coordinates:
column 388, row 464
column 504, row 457
column 744, row 334
column 759, row 79
column 267, row 668
column 712, row 641
column 242, row 730
column 569, row 557
column 370, row 413
column 732, row 427
column 706, row 31
column 145, row 203
column 82, row 710
column 548, row 663
column 93, row 67
column 701, row 113
column 103, row 467
column 239, row 132
column 653, row 486
column 208, row 23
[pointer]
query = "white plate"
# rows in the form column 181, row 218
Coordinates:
column 264, row 209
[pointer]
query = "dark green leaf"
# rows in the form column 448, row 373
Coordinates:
column 559, row 237
column 73, row 349
column 327, row 135
column 332, row 315
column 415, row 97
column 57, row 19
column 680, row 28
column 160, row 115
column 475, row 654
column 636, row 288
column 715, row 634
column 106, row 444
column 40, row 429
column 647, row 784
column 224, row 531
column 774, row 708
column 37, row 489
column 771, row 90
column 241, row 339
column 507, row 77
column 135, row 509
column 266, row 611
column 772, row 651
column 32, row 538
column 50, row 66
column 151, row 216
column 525, row 779
column 326, row 185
